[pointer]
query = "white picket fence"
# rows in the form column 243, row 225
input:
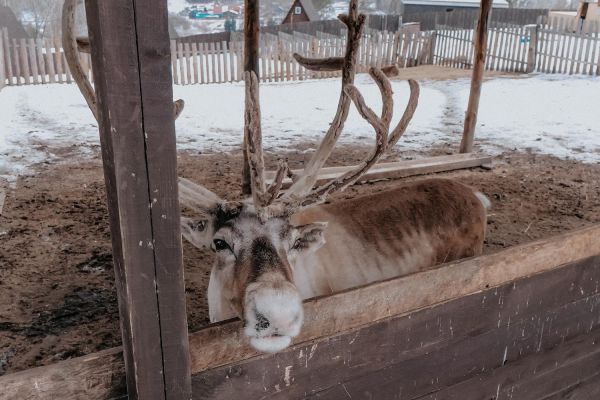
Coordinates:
column 28, row 61
column 198, row 63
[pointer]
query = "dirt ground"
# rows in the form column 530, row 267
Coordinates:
column 57, row 298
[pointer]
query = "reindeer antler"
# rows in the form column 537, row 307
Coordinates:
column 72, row 46
column 269, row 201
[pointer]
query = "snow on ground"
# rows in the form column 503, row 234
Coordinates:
column 550, row 114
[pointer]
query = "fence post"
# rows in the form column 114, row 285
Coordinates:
column 2, row 67
column 532, row 52
column 432, row 44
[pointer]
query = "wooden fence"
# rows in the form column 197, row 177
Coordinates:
column 566, row 47
column 555, row 45
column 510, row 48
column 558, row 45
column 34, row 62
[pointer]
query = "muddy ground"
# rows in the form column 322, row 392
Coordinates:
column 57, row 297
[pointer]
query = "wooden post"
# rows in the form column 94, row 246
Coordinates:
column 132, row 73
column 532, row 31
column 251, row 64
column 2, row 63
column 466, row 146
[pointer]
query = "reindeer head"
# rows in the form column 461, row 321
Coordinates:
column 253, row 268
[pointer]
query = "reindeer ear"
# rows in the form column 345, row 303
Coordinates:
column 196, row 231
column 309, row 237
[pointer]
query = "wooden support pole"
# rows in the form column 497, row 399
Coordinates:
column 251, row 64
column 466, row 146
column 132, row 73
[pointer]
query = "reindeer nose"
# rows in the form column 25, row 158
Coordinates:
column 279, row 318
column 262, row 322
column 273, row 315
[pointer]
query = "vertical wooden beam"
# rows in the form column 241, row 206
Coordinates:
column 132, row 73
column 466, row 146
column 251, row 64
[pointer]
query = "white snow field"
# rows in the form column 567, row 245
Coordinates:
column 549, row 114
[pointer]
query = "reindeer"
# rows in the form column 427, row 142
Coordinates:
column 279, row 247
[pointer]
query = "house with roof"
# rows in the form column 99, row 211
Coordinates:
column 418, row 6
column 301, row 11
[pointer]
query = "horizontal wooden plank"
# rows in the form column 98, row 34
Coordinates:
column 96, row 376
column 446, row 343
column 222, row 344
column 451, row 364
column 573, row 355
column 401, row 169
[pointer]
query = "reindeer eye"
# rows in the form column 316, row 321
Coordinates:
column 220, row 245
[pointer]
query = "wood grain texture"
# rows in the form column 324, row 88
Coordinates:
column 400, row 169
column 96, row 376
column 156, row 86
column 130, row 54
column 435, row 348
column 501, row 382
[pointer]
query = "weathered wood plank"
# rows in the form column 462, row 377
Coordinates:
column 402, row 169
column 429, row 349
column 16, row 59
column 130, row 55
column 499, row 382
column 39, row 44
column 7, row 55
column 25, row 70
column 3, row 74
column 32, row 55
column 96, row 376
column 440, row 367
column 50, row 61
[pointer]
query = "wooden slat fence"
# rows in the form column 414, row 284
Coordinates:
column 559, row 45
column 555, row 45
column 28, row 62
column 567, row 47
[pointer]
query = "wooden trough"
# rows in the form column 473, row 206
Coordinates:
column 522, row 323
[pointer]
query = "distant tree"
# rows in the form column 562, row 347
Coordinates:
column 41, row 18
